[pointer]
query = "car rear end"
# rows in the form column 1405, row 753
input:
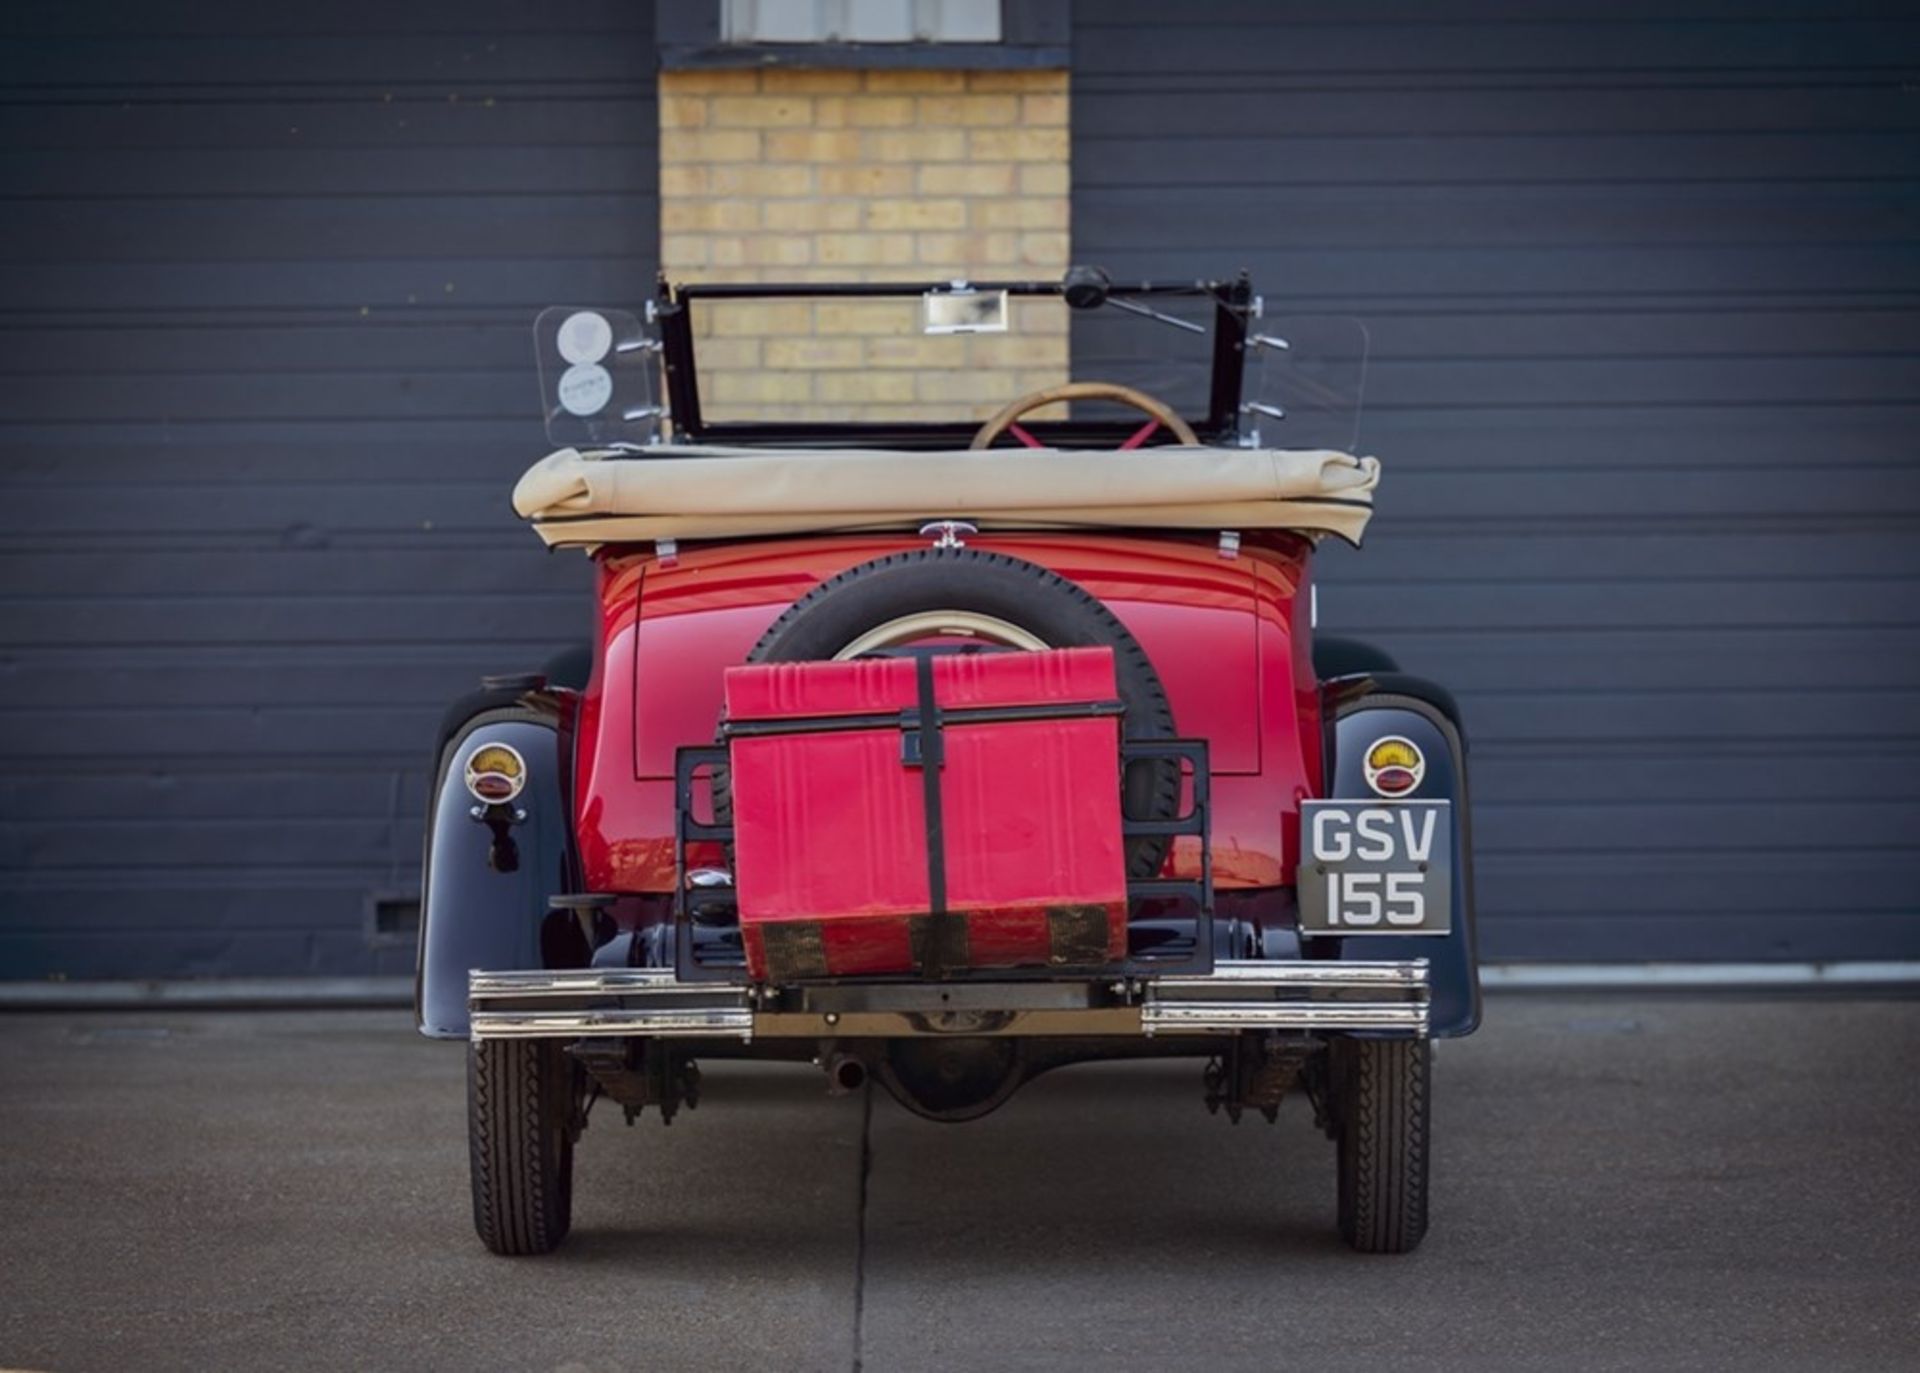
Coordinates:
column 947, row 749
column 946, row 862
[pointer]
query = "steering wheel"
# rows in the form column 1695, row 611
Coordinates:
column 1159, row 414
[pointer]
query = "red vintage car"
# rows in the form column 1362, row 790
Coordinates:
column 942, row 752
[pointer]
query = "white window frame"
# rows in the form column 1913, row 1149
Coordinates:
column 860, row 21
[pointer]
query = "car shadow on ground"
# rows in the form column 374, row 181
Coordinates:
column 1044, row 1178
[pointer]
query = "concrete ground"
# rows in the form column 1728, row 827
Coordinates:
column 1628, row 1184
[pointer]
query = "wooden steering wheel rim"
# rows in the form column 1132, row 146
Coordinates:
column 1159, row 411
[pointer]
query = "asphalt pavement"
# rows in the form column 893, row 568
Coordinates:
column 1620, row 1183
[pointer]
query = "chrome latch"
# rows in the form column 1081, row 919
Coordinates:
column 946, row 533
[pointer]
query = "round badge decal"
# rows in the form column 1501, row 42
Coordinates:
column 585, row 388
column 1394, row 765
column 584, row 337
column 496, row 773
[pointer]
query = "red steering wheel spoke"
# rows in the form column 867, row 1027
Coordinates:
column 1006, row 421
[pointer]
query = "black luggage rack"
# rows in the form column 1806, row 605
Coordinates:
column 717, row 905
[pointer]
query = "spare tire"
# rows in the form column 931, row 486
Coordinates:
column 1042, row 607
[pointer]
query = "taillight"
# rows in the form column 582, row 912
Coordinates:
column 1394, row 765
column 496, row 774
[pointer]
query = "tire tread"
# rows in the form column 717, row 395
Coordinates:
column 1385, row 1120
column 519, row 1094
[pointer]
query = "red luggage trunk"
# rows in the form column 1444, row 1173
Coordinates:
column 867, row 842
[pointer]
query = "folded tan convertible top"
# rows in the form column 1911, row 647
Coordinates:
column 719, row 493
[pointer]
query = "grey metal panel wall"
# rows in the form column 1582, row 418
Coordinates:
column 1641, row 280
column 265, row 381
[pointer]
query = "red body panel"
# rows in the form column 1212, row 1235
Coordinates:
column 831, row 840
column 1228, row 637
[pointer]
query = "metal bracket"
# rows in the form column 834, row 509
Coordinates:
column 946, row 533
column 640, row 1073
column 1256, row 1071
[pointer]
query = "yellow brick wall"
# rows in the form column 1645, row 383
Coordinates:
column 865, row 176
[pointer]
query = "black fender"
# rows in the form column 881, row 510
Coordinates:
column 485, row 887
column 1335, row 655
column 1361, row 711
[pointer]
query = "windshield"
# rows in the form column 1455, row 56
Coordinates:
column 1305, row 385
column 835, row 359
column 943, row 365
column 1151, row 355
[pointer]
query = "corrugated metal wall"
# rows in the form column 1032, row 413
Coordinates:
column 1642, row 286
column 265, row 382
column 1641, row 280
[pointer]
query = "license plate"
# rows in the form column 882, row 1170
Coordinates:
column 1376, row 868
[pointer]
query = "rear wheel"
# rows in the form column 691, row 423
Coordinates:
column 1382, row 1098
column 522, row 1100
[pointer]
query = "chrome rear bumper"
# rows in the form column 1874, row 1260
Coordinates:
column 605, row 1001
column 1290, row 996
column 1235, row 996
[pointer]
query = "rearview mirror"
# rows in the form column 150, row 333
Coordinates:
column 965, row 311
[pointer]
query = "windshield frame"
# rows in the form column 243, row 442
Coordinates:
column 1234, row 305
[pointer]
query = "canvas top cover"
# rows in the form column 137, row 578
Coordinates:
column 575, row 498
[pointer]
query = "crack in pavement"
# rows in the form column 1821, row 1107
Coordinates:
column 860, row 1229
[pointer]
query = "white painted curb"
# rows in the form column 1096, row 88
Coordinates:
column 1588, row 976
column 233, row 992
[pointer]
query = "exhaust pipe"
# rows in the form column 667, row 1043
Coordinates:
column 845, row 1074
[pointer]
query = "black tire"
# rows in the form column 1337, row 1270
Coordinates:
column 1046, row 605
column 1382, row 1096
column 521, row 1102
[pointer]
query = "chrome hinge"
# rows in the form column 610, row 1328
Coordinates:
column 946, row 533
